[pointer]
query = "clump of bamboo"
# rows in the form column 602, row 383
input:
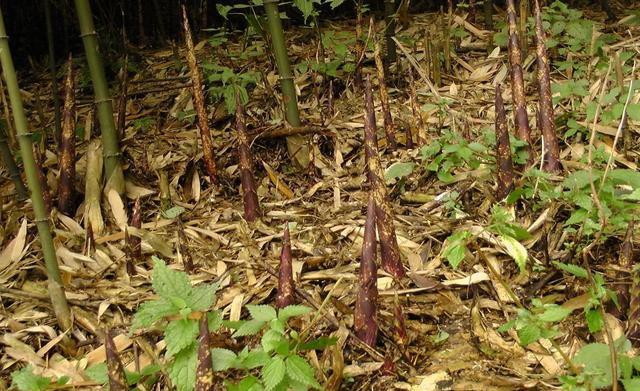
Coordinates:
column 42, row 177
column 122, row 99
column 198, row 101
column 249, row 194
column 503, row 150
column 67, row 163
column 93, row 189
column 488, row 14
column 389, row 128
column 10, row 164
column 359, row 45
column 365, row 314
column 52, row 70
column 390, row 252
column 521, row 119
column 113, row 167
column 286, row 288
column 446, row 41
column 551, row 158
column 204, row 371
column 115, row 369
column 427, row 52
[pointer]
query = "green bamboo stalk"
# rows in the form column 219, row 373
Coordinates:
column 10, row 164
column 111, row 150
column 52, row 71
column 296, row 145
column 55, row 285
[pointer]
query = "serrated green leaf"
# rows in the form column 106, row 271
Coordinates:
column 256, row 358
column 250, row 327
column 529, row 333
column 594, row 320
column 319, row 343
column 174, row 212
column 270, row 340
column 398, row 170
column 99, row 373
column 456, row 248
column 554, row 313
column 223, row 359
column 596, row 360
column 150, row 312
column 214, row 319
column 273, row 373
column 202, row 297
column 26, row 380
column 576, row 270
column 264, row 313
column 515, row 249
column 170, row 284
column 291, row 311
column 182, row 370
column 299, row 370
column 180, row 334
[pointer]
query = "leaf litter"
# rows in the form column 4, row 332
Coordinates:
column 450, row 315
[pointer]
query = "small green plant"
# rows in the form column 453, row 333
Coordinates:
column 449, row 152
column 178, row 300
column 231, row 82
column 26, row 380
column 176, row 312
column 279, row 354
column 537, row 322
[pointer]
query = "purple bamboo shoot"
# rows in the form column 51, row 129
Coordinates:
column 285, row 275
column 503, row 150
column 551, row 162
column 365, row 315
column 249, row 194
column 67, row 162
column 390, row 252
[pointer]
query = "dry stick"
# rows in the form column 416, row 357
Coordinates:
column 365, row 314
column 521, row 119
column 117, row 378
column 389, row 127
column 503, row 150
column 417, row 114
column 427, row 52
column 547, row 127
column 134, row 245
column 418, row 69
column 204, row 370
column 603, row 222
column 10, row 130
column 618, row 67
column 198, row 100
column 249, row 194
column 286, row 286
column 390, row 252
column 10, row 164
column 621, row 125
column 187, row 259
column 67, row 140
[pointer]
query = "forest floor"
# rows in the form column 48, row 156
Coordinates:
column 452, row 314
